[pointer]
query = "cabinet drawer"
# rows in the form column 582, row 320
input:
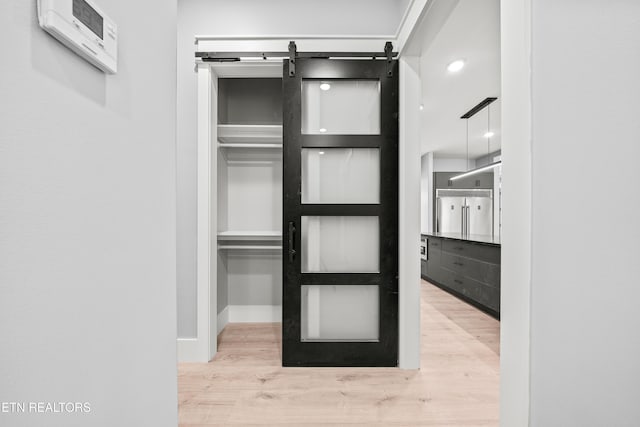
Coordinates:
column 487, row 296
column 490, row 297
column 479, row 270
column 456, row 282
column 434, row 256
column 431, row 267
column 434, row 242
column 434, row 271
column 481, row 293
column 434, row 249
column 477, row 251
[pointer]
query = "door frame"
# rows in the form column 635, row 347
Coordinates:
column 203, row 347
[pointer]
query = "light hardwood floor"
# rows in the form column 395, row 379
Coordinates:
column 457, row 385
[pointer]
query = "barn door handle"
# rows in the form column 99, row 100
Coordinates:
column 292, row 234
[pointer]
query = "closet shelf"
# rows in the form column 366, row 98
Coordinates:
column 251, row 247
column 242, row 145
column 250, row 134
column 249, row 235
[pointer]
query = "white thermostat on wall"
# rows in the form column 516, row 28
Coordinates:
column 82, row 27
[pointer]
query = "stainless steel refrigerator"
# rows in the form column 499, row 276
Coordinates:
column 464, row 211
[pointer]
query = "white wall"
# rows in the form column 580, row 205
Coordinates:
column 426, row 192
column 497, row 199
column 446, row 164
column 247, row 17
column 585, row 344
column 409, row 214
column 87, row 222
column 515, row 291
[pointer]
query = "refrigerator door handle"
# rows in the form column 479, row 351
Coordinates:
column 465, row 210
column 464, row 221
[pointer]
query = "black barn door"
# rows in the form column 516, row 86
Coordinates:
column 340, row 216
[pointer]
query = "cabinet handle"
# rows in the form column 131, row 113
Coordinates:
column 292, row 234
column 458, row 263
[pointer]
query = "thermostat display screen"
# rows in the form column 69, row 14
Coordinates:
column 88, row 16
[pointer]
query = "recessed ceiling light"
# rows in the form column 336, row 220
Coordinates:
column 488, row 134
column 455, row 66
column 322, row 130
column 320, row 152
column 325, row 86
column 421, row 107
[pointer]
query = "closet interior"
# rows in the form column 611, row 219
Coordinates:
column 249, row 199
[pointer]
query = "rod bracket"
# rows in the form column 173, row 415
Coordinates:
column 293, row 53
column 388, row 50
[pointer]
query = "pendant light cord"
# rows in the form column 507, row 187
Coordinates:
column 488, row 133
column 467, row 144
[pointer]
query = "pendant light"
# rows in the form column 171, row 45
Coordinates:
column 488, row 135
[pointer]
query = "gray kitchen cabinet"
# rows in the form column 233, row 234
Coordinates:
column 468, row 269
column 480, row 180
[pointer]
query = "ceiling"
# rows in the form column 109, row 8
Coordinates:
column 291, row 17
column 470, row 32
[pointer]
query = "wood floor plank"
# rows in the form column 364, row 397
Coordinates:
column 457, row 385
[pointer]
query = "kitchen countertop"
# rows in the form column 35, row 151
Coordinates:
column 479, row 238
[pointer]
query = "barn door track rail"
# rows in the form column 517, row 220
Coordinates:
column 292, row 54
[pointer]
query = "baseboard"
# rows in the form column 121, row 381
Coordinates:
column 223, row 319
column 255, row 313
column 187, row 349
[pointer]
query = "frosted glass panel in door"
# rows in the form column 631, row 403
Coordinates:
column 341, row 107
column 339, row 313
column 340, row 175
column 340, row 244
